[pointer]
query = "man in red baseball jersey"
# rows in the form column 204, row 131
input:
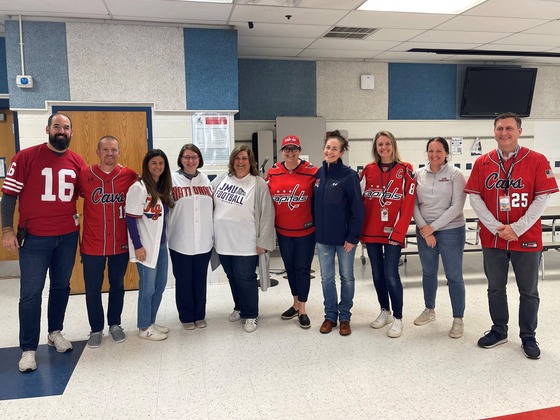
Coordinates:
column 43, row 178
column 509, row 189
column 104, row 238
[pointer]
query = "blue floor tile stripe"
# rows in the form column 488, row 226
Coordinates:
column 51, row 377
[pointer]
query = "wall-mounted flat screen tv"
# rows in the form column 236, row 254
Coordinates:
column 489, row 91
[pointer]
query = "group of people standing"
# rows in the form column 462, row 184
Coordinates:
column 239, row 215
column 509, row 190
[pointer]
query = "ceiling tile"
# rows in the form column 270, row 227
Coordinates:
column 273, row 42
column 459, row 36
column 151, row 10
column 278, row 15
column 536, row 9
column 275, row 29
column 393, row 20
column 353, row 44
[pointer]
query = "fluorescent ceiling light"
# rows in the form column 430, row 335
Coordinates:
column 211, row 1
column 446, row 7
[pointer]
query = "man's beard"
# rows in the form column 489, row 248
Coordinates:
column 59, row 141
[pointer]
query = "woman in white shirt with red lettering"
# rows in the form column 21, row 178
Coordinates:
column 191, row 236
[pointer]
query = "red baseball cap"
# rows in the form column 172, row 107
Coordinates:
column 290, row 140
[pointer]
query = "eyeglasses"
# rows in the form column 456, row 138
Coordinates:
column 189, row 157
column 290, row 149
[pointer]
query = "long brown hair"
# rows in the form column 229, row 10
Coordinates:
column 162, row 188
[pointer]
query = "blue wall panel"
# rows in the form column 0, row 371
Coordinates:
column 422, row 91
column 211, row 69
column 3, row 67
column 45, row 60
column 272, row 88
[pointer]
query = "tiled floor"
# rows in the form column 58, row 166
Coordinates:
column 282, row 371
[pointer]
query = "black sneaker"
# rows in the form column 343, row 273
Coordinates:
column 304, row 321
column 290, row 313
column 491, row 339
column 531, row 348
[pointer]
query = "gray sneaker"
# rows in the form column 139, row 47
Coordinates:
column 27, row 362
column 94, row 340
column 117, row 333
column 55, row 339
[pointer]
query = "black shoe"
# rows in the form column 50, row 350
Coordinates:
column 491, row 339
column 290, row 313
column 304, row 321
column 531, row 348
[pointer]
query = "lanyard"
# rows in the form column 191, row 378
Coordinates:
column 509, row 171
column 384, row 187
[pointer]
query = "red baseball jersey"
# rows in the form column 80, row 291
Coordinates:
column 104, row 212
column 530, row 176
column 45, row 184
column 392, row 192
column 292, row 193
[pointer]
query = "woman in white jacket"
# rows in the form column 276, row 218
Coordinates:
column 147, row 203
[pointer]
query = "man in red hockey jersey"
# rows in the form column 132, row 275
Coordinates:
column 509, row 189
column 104, row 239
column 43, row 178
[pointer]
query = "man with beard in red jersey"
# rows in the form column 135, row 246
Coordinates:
column 43, row 178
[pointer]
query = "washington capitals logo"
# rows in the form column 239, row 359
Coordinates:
column 389, row 195
column 291, row 198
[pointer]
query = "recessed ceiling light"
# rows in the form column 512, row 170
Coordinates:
column 445, row 7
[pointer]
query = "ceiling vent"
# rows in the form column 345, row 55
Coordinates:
column 352, row 33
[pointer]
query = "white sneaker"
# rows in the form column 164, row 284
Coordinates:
column 383, row 319
column 396, row 329
column 161, row 328
column 234, row 316
column 27, row 362
column 189, row 325
column 152, row 334
column 250, row 325
column 457, row 328
column 427, row 315
column 55, row 339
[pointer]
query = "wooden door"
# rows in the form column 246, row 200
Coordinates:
column 130, row 128
column 7, row 152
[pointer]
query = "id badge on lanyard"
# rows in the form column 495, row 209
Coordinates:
column 384, row 214
column 505, row 203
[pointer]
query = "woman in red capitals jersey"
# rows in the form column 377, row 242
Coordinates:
column 291, row 187
column 389, row 189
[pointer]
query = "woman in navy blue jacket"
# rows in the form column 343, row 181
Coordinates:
column 339, row 216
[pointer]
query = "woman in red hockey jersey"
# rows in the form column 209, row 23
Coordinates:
column 388, row 188
column 291, row 187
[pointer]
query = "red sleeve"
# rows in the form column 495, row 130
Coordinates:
column 407, row 206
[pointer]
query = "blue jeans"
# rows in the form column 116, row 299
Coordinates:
column 241, row 271
column 151, row 287
column 450, row 244
column 526, row 268
column 94, row 273
column 190, row 272
column 384, row 260
column 297, row 254
column 39, row 254
column 334, row 310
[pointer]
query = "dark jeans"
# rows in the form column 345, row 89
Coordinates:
column 94, row 273
column 386, row 278
column 297, row 254
column 242, row 276
column 191, row 273
column 39, row 254
column 526, row 268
